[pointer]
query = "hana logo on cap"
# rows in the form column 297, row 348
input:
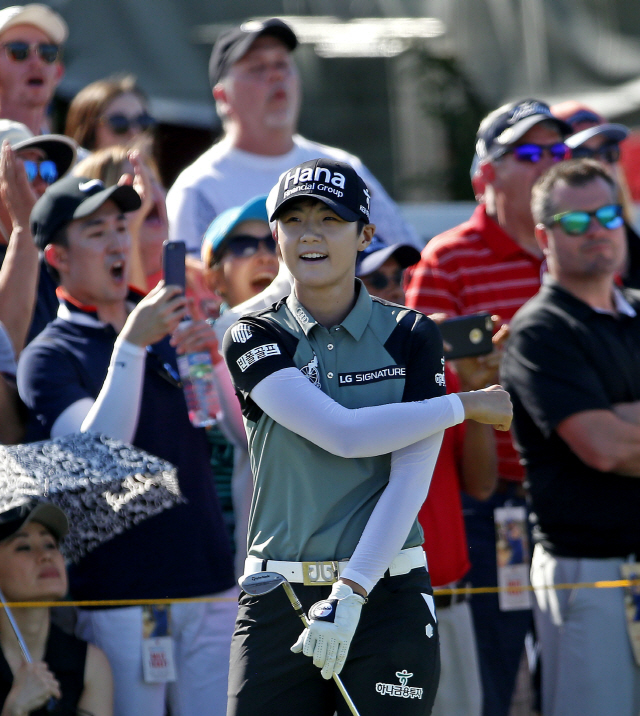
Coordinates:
column 337, row 184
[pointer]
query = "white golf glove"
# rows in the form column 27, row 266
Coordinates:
column 332, row 624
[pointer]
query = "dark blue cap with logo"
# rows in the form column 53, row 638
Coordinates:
column 336, row 184
column 74, row 198
column 505, row 125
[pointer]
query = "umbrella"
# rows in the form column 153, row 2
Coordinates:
column 104, row 486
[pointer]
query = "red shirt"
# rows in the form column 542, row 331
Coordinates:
column 474, row 268
column 445, row 540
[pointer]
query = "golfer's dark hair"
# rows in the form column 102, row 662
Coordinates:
column 59, row 238
column 573, row 173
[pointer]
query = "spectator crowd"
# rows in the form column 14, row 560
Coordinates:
column 91, row 337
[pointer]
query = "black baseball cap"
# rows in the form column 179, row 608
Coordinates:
column 234, row 44
column 505, row 125
column 74, row 198
column 336, row 184
column 52, row 517
column 378, row 252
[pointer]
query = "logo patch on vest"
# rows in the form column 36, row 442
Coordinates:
column 372, row 376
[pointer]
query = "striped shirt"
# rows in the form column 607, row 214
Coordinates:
column 474, row 268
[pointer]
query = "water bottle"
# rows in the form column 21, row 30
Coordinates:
column 196, row 373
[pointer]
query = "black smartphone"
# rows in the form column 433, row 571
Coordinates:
column 173, row 255
column 467, row 335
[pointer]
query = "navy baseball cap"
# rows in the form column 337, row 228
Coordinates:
column 216, row 237
column 52, row 517
column 335, row 183
column 74, row 198
column 505, row 125
column 234, row 44
column 378, row 252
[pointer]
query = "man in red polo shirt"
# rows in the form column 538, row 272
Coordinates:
column 492, row 264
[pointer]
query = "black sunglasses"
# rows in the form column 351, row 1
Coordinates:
column 47, row 170
column 19, row 51
column 380, row 281
column 243, row 246
column 609, row 152
column 533, row 153
column 121, row 124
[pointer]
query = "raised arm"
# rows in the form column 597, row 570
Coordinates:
column 290, row 399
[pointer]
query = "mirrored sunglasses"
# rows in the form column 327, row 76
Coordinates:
column 19, row 51
column 609, row 153
column 380, row 281
column 242, row 246
column 121, row 124
column 577, row 223
column 533, row 153
column 47, row 170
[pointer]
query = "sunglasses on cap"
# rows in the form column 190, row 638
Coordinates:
column 242, row 246
column 47, row 170
column 609, row 152
column 533, row 153
column 19, row 51
column 380, row 281
column 576, row 223
column 121, row 124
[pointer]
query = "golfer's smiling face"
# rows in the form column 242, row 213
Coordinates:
column 318, row 247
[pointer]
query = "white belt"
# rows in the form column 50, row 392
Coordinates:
column 314, row 573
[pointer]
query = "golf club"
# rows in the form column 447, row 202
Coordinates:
column 265, row 582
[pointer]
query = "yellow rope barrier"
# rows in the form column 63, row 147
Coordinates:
column 106, row 603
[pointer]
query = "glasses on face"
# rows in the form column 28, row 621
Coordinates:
column 609, row 152
column 533, row 153
column 576, row 223
column 19, row 51
column 121, row 124
column 47, row 170
column 243, row 247
column 380, row 281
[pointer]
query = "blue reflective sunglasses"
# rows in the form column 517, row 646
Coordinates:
column 47, row 170
column 576, row 223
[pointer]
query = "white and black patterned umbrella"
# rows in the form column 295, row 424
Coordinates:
column 103, row 485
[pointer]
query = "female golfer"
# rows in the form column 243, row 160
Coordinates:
column 344, row 403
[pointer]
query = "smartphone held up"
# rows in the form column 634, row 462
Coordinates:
column 196, row 367
column 467, row 336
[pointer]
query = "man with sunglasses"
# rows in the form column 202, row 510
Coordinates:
column 31, row 37
column 492, row 263
column 571, row 367
column 256, row 87
column 596, row 138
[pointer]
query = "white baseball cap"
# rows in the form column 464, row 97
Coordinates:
column 40, row 16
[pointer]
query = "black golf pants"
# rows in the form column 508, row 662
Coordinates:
column 393, row 664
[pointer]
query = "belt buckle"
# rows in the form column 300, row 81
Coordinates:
column 318, row 573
